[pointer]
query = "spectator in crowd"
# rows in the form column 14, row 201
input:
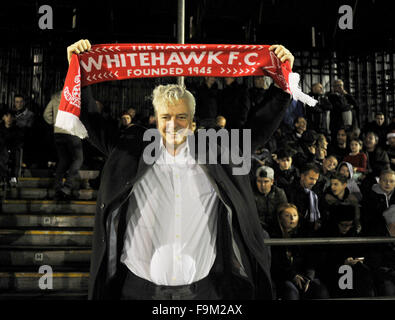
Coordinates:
column 377, row 157
column 338, row 195
column 343, row 104
column 358, row 159
column 391, row 148
column 305, row 149
column 335, row 256
column 234, row 103
column 207, row 101
column 346, row 169
column 11, row 144
column 220, row 122
column 322, row 141
column 329, row 165
column 378, row 200
column 285, row 173
column 24, row 117
column 301, row 194
column 267, row 196
column 294, row 111
column 319, row 116
column 261, row 157
column 355, row 133
column 70, row 153
column 379, row 127
column 126, row 121
column 299, row 127
column 293, row 267
column 257, row 93
column 339, row 147
column 381, row 257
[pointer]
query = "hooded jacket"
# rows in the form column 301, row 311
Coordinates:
column 244, row 270
column 351, row 183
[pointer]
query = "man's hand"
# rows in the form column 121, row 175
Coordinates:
column 78, row 47
column 283, row 54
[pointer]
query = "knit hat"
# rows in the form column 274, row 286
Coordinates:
column 265, row 172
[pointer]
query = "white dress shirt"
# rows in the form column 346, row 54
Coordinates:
column 171, row 234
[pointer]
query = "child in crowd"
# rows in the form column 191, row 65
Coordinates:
column 284, row 171
column 357, row 158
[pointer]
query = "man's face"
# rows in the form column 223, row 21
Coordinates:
column 285, row 163
column 132, row 112
column 338, row 86
column 301, row 125
column 387, row 182
column 126, row 120
column 289, row 219
column 337, row 187
column 221, row 122
column 19, row 103
column 344, row 171
column 329, row 164
column 318, row 89
column 174, row 122
column 264, row 184
column 341, row 137
column 309, row 179
column 345, row 226
column 379, row 119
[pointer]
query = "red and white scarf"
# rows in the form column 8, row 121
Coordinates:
column 108, row 62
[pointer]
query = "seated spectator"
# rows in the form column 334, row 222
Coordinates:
column 300, row 193
column 11, row 144
column 305, row 149
column 284, row 171
column 347, row 170
column 322, row 141
column 329, row 165
column 335, row 256
column 337, row 195
column 300, row 126
column 339, row 147
column 357, row 158
column 381, row 257
column 391, row 148
column 377, row 157
column 267, row 196
column 378, row 127
column 293, row 267
column 378, row 200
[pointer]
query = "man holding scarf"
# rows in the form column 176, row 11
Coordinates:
column 175, row 229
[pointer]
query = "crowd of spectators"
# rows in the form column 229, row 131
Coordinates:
column 322, row 174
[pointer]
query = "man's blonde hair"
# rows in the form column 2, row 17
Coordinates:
column 170, row 94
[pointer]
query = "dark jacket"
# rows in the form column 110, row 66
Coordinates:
column 235, row 105
column 207, row 101
column 373, row 206
column 125, row 166
column 267, row 205
column 378, row 160
column 283, row 178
